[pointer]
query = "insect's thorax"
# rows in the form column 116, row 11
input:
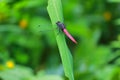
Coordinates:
column 60, row 25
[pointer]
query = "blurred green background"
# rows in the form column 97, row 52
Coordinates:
column 28, row 54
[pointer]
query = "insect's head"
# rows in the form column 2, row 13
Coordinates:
column 58, row 22
column 60, row 25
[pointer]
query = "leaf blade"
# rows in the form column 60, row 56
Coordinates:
column 55, row 12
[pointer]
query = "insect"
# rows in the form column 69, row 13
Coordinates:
column 64, row 30
column 61, row 27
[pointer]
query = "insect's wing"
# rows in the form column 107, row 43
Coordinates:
column 42, row 28
column 46, row 28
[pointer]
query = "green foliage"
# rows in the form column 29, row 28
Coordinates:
column 26, row 74
column 116, row 1
column 28, row 53
column 117, row 22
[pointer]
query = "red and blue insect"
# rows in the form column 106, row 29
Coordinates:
column 64, row 30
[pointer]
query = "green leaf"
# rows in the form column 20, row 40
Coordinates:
column 117, row 22
column 17, row 73
column 114, row 1
column 41, row 75
column 55, row 12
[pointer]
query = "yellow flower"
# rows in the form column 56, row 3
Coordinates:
column 23, row 23
column 10, row 64
column 2, row 17
column 107, row 15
